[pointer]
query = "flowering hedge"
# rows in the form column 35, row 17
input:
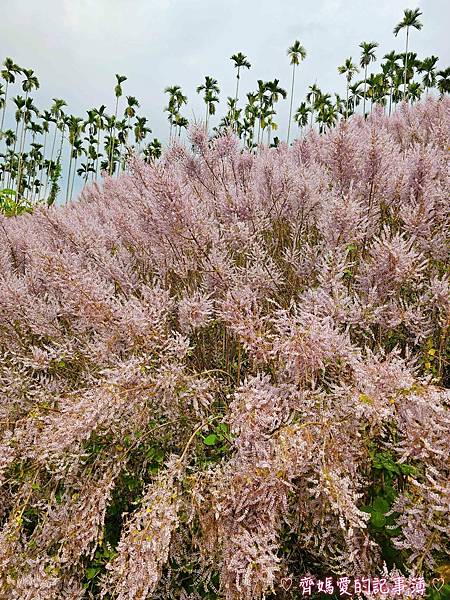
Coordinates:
column 225, row 370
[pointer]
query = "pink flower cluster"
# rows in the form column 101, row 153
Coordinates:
column 267, row 325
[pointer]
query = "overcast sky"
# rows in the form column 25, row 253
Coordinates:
column 76, row 46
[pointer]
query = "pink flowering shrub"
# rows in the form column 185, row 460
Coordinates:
column 225, row 370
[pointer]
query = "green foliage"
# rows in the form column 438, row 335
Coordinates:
column 96, row 567
column 54, row 178
column 220, row 434
column 438, row 591
column 388, row 477
column 215, row 445
column 385, row 461
column 12, row 205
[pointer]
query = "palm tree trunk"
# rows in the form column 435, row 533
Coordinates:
column 4, row 106
column 68, row 177
column 259, row 128
column 236, row 97
column 10, row 178
column 16, row 133
column 312, row 108
column 120, row 161
column 23, row 126
column 20, row 167
column 112, row 138
column 98, row 152
column 405, row 94
column 365, row 85
column 346, row 104
column 390, row 98
column 43, row 160
column 21, row 145
column 73, row 177
column 237, row 86
column 31, row 176
column 51, row 158
column 290, row 107
column 126, row 145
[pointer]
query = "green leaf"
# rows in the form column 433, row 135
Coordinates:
column 385, row 461
column 210, row 439
column 394, row 532
column 380, row 505
column 222, row 428
column 91, row 572
column 377, row 519
column 408, row 469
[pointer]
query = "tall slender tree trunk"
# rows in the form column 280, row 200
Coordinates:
column 20, row 166
column 4, row 106
column 365, row 87
column 23, row 125
column 73, row 177
column 405, row 93
column 346, row 104
column 120, row 161
column 31, row 175
column 16, row 133
column 21, row 145
column 237, row 86
column 43, row 160
column 51, row 158
column 260, row 128
column 10, row 177
column 126, row 145
column 70, row 170
column 98, row 152
column 61, row 144
column 390, row 98
column 290, row 107
column 112, row 138
column 236, row 98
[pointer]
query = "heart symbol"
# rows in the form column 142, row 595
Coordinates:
column 286, row 583
column 437, row 580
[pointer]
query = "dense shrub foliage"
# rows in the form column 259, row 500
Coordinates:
column 225, row 371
